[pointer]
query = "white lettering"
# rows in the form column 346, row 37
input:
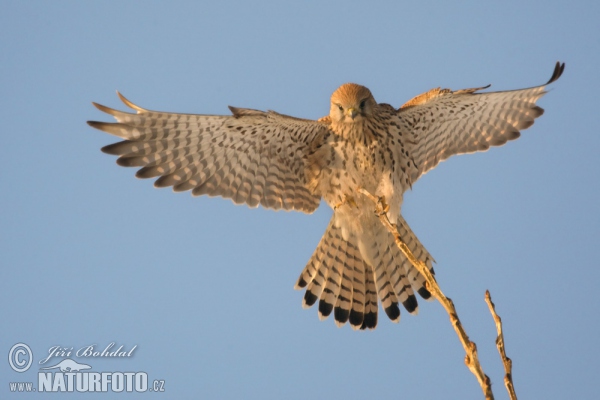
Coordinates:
column 106, row 349
column 70, row 376
column 91, row 382
column 106, row 380
column 82, row 382
column 21, row 386
column 131, row 351
column 45, row 381
column 141, row 382
column 129, row 376
column 56, row 351
column 94, row 381
column 117, row 382
column 85, row 351
column 59, row 383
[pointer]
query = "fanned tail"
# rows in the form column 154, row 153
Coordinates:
column 341, row 277
column 338, row 277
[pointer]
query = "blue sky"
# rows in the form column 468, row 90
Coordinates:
column 204, row 288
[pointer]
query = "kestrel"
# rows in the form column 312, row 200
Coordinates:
column 281, row 162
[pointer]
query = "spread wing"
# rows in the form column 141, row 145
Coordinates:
column 445, row 123
column 251, row 157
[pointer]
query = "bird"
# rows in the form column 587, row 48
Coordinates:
column 282, row 162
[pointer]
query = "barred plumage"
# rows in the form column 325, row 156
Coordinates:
column 282, row 162
column 223, row 156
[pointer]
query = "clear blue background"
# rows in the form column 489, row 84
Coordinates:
column 90, row 255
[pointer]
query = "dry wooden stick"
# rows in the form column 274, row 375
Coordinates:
column 471, row 359
column 500, row 344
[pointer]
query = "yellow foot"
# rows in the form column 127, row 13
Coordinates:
column 381, row 206
column 349, row 200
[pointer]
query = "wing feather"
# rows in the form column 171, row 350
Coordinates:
column 446, row 123
column 251, row 157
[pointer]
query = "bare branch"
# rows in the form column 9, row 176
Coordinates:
column 500, row 344
column 471, row 359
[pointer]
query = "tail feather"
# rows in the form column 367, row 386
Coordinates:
column 348, row 276
column 315, row 273
column 343, row 303
column 403, row 288
column 417, row 281
column 315, row 287
column 357, row 272
column 335, row 275
column 370, row 318
column 385, row 290
column 310, row 270
column 334, row 262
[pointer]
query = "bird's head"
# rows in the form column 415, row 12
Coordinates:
column 351, row 103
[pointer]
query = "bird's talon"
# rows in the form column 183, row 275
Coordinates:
column 351, row 202
column 382, row 206
column 348, row 200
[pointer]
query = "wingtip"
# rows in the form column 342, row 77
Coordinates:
column 244, row 112
column 130, row 104
column 105, row 109
column 558, row 71
column 234, row 111
column 94, row 124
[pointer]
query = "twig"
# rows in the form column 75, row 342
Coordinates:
column 471, row 359
column 500, row 344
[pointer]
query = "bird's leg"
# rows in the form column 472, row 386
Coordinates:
column 349, row 200
column 381, row 206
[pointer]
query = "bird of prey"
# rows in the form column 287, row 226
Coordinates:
column 282, row 162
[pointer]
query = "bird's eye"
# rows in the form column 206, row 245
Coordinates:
column 362, row 104
column 341, row 108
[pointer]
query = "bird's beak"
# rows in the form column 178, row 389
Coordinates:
column 352, row 112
